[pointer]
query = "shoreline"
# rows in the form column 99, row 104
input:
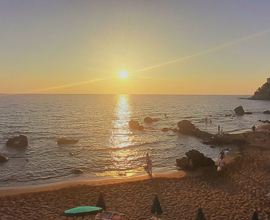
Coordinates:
column 174, row 173
column 8, row 191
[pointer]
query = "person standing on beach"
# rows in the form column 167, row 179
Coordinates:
column 149, row 166
column 218, row 129
column 147, row 158
column 221, row 155
column 222, row 165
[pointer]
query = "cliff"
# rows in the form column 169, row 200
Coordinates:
column 262, row 93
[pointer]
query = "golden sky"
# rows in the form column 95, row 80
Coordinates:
column 166, row 47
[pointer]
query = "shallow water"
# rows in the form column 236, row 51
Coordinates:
column 106, row 147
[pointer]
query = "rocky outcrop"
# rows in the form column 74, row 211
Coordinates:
column 77, row 171
column 264, row 121
column 198, row 159
column 134, row 125
column 149, row 120
column 186, row 127
column 266, row 112
column 20, row 141
column 184, row 163
column 240, row 111
column 62, row 141
column 225, row 140
column 3, row 159
column 262, row 93
column 194, row 160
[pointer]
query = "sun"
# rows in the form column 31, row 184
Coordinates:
column 123, row 74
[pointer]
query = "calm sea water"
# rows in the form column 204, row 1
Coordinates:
column 106, row 147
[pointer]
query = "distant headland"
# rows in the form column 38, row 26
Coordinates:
column 263, row 92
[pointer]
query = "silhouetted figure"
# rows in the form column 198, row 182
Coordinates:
column 147, row 158
column 221, row 155
column 149, row 167
column 253, row 128
column 218, row 128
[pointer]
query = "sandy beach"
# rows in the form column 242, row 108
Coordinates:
column 233, row 195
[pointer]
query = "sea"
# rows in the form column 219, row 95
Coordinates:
column 107, row 149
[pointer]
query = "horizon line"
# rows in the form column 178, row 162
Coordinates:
column 121, row 94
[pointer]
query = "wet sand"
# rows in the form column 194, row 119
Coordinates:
column 233, row 195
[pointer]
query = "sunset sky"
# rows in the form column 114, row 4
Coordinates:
column 166, row 47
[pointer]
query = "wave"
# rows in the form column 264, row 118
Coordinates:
column 45, row 178
column 129, row 146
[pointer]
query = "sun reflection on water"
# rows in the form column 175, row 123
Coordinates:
column 125, row 156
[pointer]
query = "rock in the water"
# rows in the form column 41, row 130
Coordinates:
column 66, row 141
column 165, row 129
column 148, row 120
column 198, row 159
column 3, row 159
column 264, row 121
column 134, row 125
column 77, row 171
column 20, row 141
column 248, row 113
column 239, row 110
column 266, row 112
column 186, row 126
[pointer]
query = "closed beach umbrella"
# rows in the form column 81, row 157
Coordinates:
column 200, row 215
column 255, row 216
column 100, row 202
column 156, row 208
column 82, row 211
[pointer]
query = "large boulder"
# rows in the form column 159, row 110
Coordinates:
column 3, row 159
column 239, row 110
column 134, row 125
column 183, row 163
column 198, row 159
column 148, row 120
column 62, row 141
column 186, row 126
column 20, row 141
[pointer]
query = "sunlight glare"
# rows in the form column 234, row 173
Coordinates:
column 123, row 74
